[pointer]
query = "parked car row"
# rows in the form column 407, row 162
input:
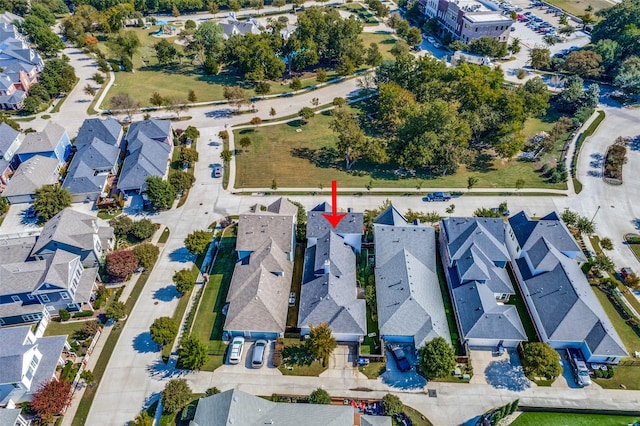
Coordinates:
column 237, row 347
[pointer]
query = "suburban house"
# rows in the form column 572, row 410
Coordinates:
column 329, row 292
column 235, row 407
column 35, row 289
column 564, row 308
column 31, row 175
column 149, row 151
column 52, row 142
column 9, row 143
column 28, row 360
column 350, row 227
column 410, row 305
column 257, row 302
column 12, row 417
column 20, row 64
column 231, row 26
column 468, row 20
column 474, row 257
column 77, row 233
column 97, row 154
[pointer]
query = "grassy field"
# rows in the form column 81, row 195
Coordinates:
column 627, row 376
column 416, row 417
column 373, row 370
column 577, row 7
column 306, row 158
column 362, row 12
column 55, row 328
column 567, row 419
column 629, row 337
column 175, row 81
column 294, row 348
column 209, row 319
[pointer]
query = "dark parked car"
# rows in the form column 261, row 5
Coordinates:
column 398, row 355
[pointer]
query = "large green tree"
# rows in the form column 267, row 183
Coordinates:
column 437, row 358
column 319, row 396
column 320, row 342
column 175, row 395
column 193, row 353
column 163, row 330
column 541, row 360
column 160, row 192
column 147, row 254
column 124, row 43
column 198, row 241
column 51, row 200
column 166, row 52
column 392, row 405
column 184, row 280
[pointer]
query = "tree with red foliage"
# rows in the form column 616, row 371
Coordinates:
column 121, row 264
column 51, row 398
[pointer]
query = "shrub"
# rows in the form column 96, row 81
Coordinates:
column 147, row 254
column 83, row 314
column 256, row 120
column 143, row 229
column 175, row 395
column 121, row 264
column 521, row 74
column 64, row 315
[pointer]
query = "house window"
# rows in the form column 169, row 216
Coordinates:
column 64, row 295
column 71, row 305
column 50, row 308
column 44, row 298
column 15, row 298
column 31, row 296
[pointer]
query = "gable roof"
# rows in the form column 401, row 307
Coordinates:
column 29, row 277
column 158, row 130
column 10, row 416
column 369, row 420
column 331, row 297
column 106, row 130
column 8, row 136
column 33, row 174
column 232, row 26
column 407, row 287
column 558, row 291
column 148, row 158
column 45, row 141
column 69, row 227
column 15, row 250
column 318, row 225
column 240, row 408
column 259, row 291
column 267, row 222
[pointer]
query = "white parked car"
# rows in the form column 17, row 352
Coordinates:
column 236, row 350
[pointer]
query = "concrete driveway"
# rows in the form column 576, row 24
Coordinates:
column 500, row 371
column 342, row 363
column 244, row 367
column 408, row 380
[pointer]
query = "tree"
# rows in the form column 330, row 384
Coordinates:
column 44, row 39
column 320, row 343
column 192, row 96
column 306, row 114
column 374, row 57
column 520, row 183
column 603, row 263
column 147, row 254
column 226, row 155
column 392, row 405
column 628, row 75
column 143, row 229
column 234, row 5
column 197, row 242
column 160, row 193
column 321, row 75
column 124, row 44
column 156, row 99
column 126, row 103
column 540, row 58
column 121, row 225
column 89, row 90
column 633, row 281
column 166, row 52
column 121, row 264
column 212, row 391
column 50, row 200
column 515, row 47
column 143, row 419
column 116, row 310
column 31, row 105
column 352, row 143
column 585, row 63
column 180, row 180
column 175, row 395
column 413, row 37
column 188, row 155
column 245, row 142
column 4, row 205
column 436, row 358
column 64, row 315
column 193, row 353
column 488, row 46
column 262, row 88
column 471, row 182
column 50, row 399
column 486, row 212
column 606, row 243
column 87, row 376
column 163, row 330
column 400, row 48
column 236, row 95
column 541, row 360
column 58, row 76
column 274, row 184
column 585, row 226
column 319, row 396
column 452, row 208
column 278, row 3
column 175, row 11
column 178, row 105
column 184, row 280
column 295, row 84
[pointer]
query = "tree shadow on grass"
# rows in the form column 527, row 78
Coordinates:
column 323, row 157
column 246, row 131
column 296, row 123
column 482, row 163
column 297, row 355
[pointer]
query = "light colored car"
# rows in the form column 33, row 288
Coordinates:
column 217, row 171
column 236, row 350
column 259, row 349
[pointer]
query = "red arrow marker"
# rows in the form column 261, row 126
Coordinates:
column 334, row 218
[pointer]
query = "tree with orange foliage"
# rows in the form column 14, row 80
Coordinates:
column 51, row 399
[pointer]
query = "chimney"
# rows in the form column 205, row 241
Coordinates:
column 327, row 266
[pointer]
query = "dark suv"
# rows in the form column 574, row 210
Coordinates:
column 398, row 355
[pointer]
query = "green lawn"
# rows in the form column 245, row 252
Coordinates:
column 55, row 328
column 629, row 337
column 627, row 376
column 296, row 360
column 307, row 159
column 385, row 43
column 567, row 419
column 362, row 12
column 373, row 370
column 209, row 319
column 448, row 305
column 577, row 7
column 416, row 417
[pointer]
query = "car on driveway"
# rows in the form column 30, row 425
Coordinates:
column 217, row 171
column 399, row 356
column 237, row 344
column 259, row 348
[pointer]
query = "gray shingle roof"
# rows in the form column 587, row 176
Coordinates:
column 318, row 225
column 27, row 277
column 259, row 291
column 331, row 297
column 69, row 227
column 9, row 416
column 51, row 349
column 559, row 292
column 45, row 141
column 234, row 407
column 33, row 174
column 15, row 250
column 146, row 157
column 475, row 246
column 267, row 222
column 158, row 130
column 108, row 131
column 368, row 420
column 7, row 136
column 408, row 293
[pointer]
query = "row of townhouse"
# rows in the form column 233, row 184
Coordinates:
column 56, row 270
column 468, row 20
column 35, row 160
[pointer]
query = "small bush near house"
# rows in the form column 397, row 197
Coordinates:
column 121, row 264
column 64, row 315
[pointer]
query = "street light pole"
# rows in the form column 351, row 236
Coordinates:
column 594, row 215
